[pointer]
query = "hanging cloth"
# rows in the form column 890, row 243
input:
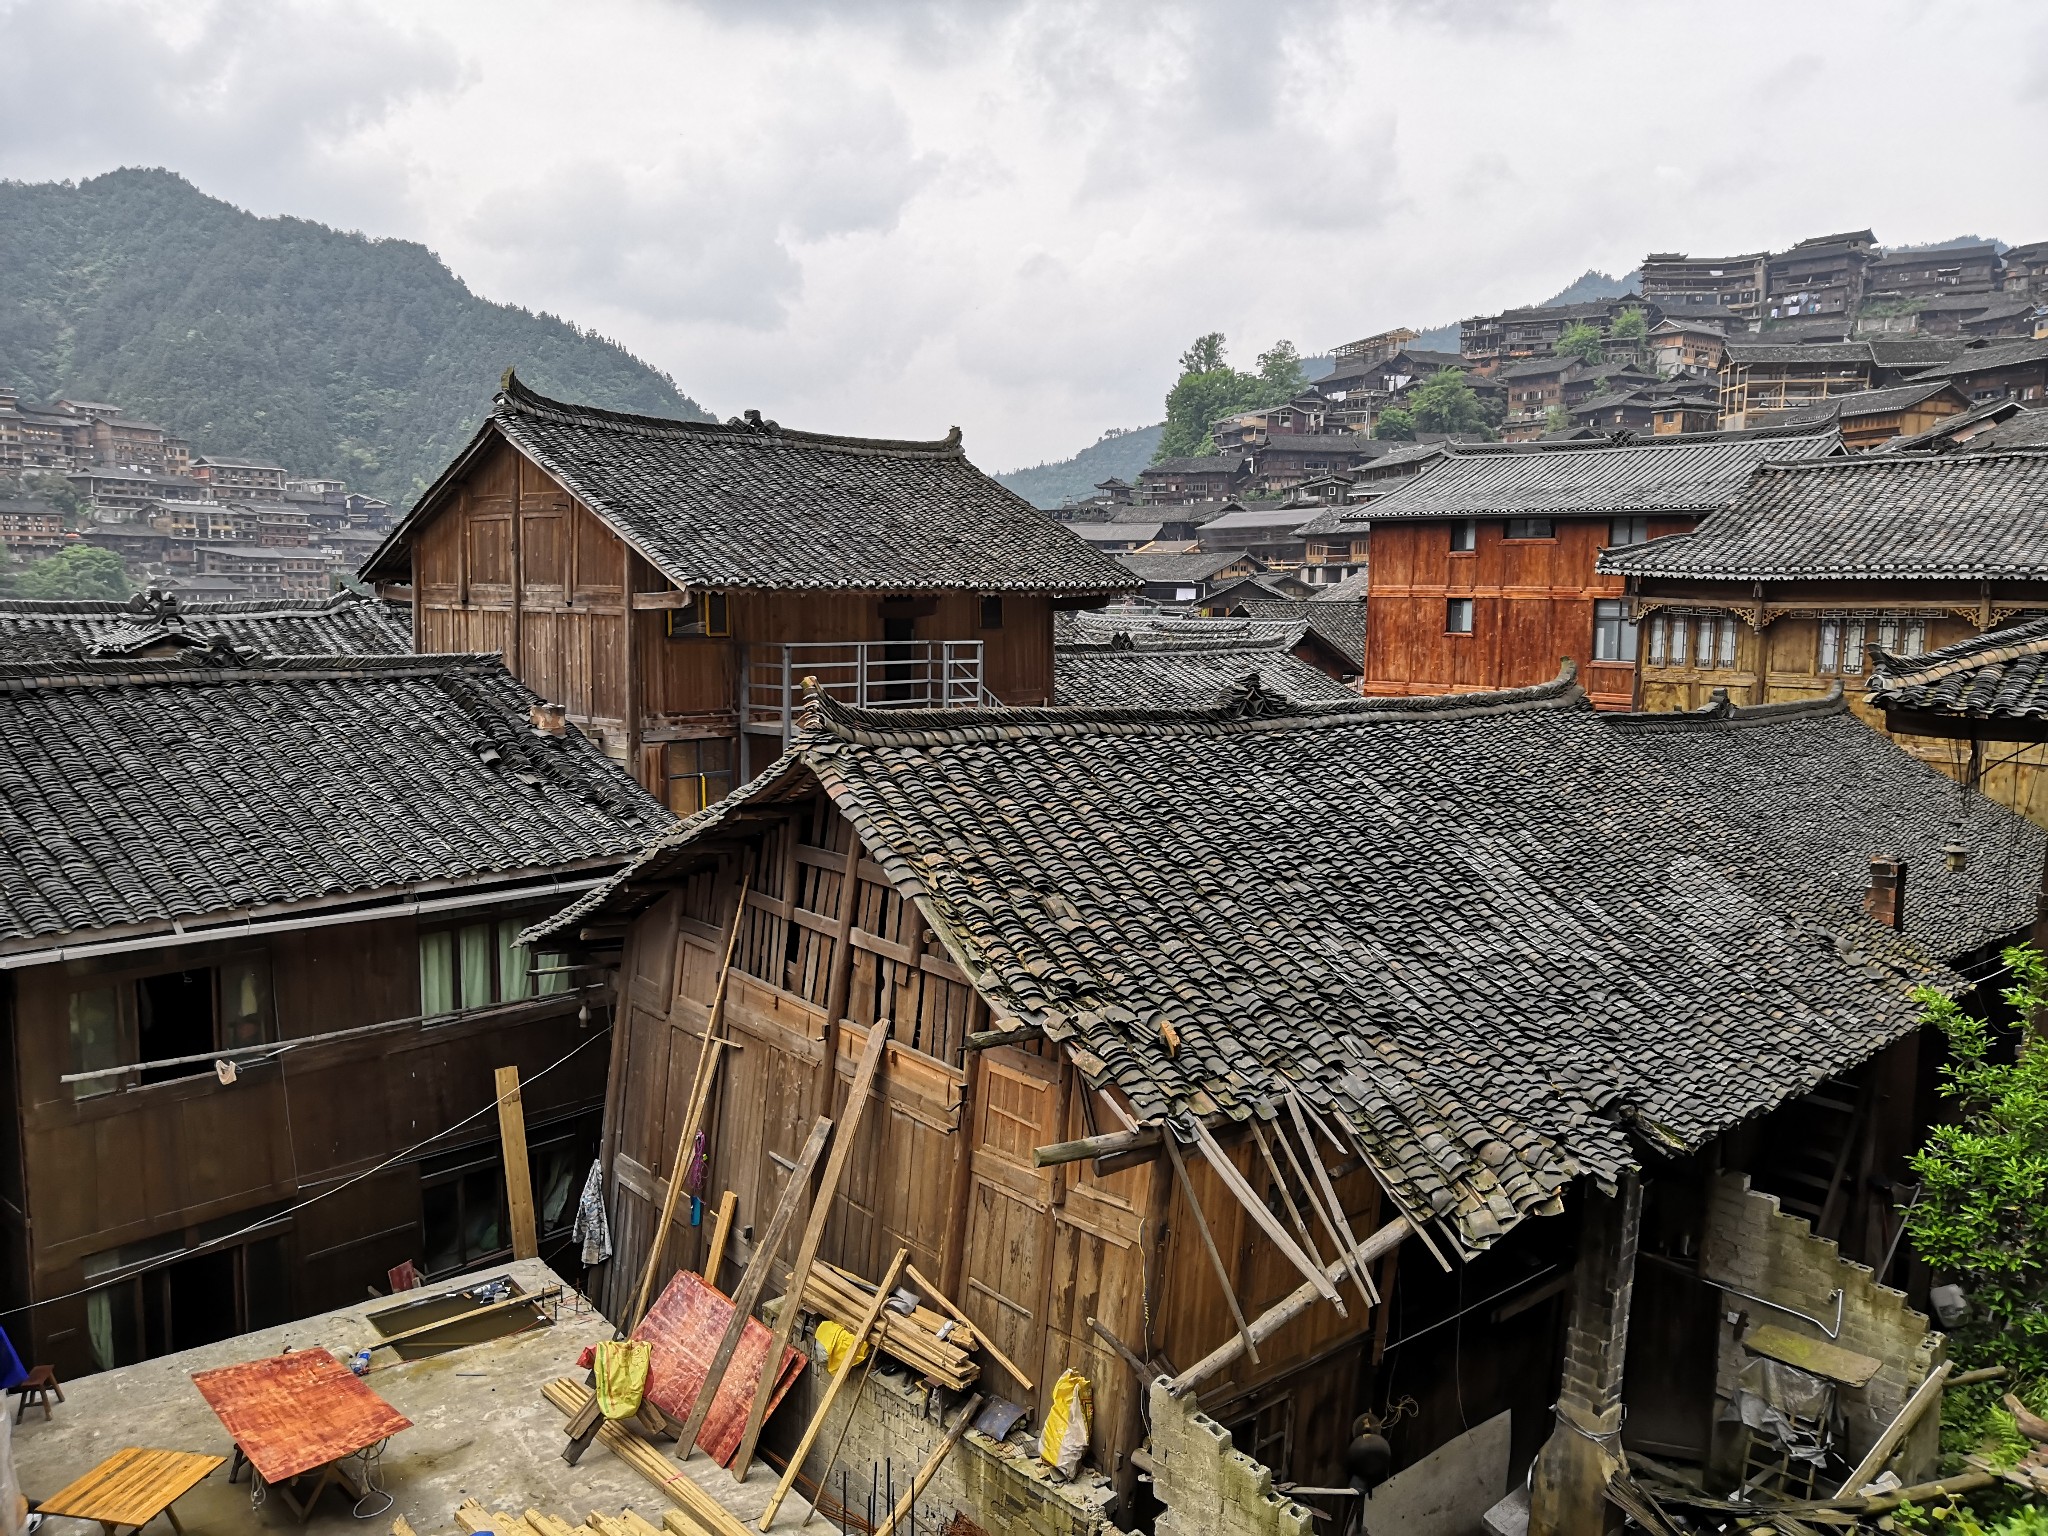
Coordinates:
column 591, row 1229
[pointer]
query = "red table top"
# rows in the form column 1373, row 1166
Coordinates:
column 294, row 1412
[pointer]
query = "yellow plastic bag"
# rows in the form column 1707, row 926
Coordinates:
column 1065, row 1440
column 836, row 1341
column 621, row 1366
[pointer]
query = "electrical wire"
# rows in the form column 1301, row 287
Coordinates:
column 370, row 1460
column 165, row 1260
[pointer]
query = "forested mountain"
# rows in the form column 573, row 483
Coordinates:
column 279, row 339
column 1116, row 453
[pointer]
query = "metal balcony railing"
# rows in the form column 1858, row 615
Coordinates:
column 873, row 674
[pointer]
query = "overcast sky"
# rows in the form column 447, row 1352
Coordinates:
column 890, row 218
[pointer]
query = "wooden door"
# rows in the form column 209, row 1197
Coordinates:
column 1009, row 1231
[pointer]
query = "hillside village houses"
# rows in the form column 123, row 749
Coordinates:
column 208, row 525
column 1394, row 962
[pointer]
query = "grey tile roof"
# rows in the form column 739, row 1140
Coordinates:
column 1571, row 480
column 2002, row 675
column 1872, row 517
column 1339, row 621
column 1198, row 464
column 165, row 791
column 1185, row 673
column 1985, row 359
column 753, row 504
column 1836, row 352
column 1196, row 565
column 344, row 624
column 1506, row 940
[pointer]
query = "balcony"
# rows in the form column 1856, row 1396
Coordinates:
column 872, row 674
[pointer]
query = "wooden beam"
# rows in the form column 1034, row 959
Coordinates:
column 839, row 1380
column 1924, row 1396
column 1130, row 1358
column 748, row 1296
column 872, row 1055
column 646, row 602
column 1247, row 1197
column 989, row 1039
column 721, row 1229
column 1287, row 1308
column 518, row 1177
column 931, row 1465
column 1247, row 1345
column 1146, row 1139
column 412, row 1334
column 980, row 1332
column 1333, row 1222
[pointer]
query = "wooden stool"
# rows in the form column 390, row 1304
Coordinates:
column 35, row 1388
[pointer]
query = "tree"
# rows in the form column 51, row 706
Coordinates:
column 1557, row 419
column 1630, row 325
column 57, row 492
column 83, row 570
column 1582, row 341
column 1445, row 403
column 1209, row 389
column 1396, row 424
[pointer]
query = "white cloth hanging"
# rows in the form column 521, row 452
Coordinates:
column 592, row 1229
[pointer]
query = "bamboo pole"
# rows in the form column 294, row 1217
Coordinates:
column 1187, row 1190
column 839, row 1380
column 1254, row 1207
column 1308, row 1192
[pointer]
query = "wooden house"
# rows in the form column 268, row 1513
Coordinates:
column 672, row 583
column 1676, row 282
column 1998, row 370
column 1758, row 377
column 257, row 920
column 1200, row 477
column 1187, row 576
column 1822, row 276
column 1287, row 625
column 1799, row 583
column 1928, row 274
column 1688, row 347
column 1157, row 1056
column 1483, row 567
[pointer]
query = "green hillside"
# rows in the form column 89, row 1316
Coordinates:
column 278, row 339
column 1118, row 454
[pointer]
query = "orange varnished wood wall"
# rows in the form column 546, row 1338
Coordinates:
column 513, row 564
column 1532, row 602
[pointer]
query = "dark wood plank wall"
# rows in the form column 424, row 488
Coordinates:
column 513, row 564
column 120, row 1168
column 945, row 1168
column 1532, row 605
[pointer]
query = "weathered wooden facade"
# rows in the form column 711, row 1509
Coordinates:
column 1484, row 568
column 1056, row 964
column 1798, row 585
column 672, row 583
column 313, row 872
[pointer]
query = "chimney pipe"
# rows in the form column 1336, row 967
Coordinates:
column 550, row 719
column 1884, row 899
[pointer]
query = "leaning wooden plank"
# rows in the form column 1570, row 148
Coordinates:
column 1925, row 1396
column 748, row 1296
column 872, row 1055
column 1346, row 1240
column 1255, row 1208
column 839, row 1380
column 931, row 1465
column 721, row 1229
column 518, row 1178
column 700, row 1092
column 1187, row 1193
column 987, row 1343
column 1359, row 1277
column 1288, row 1308
column 705, row 1513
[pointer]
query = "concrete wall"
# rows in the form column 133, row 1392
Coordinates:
column 1001, row 1486
column 1753, row 1245
column 1209, row 1488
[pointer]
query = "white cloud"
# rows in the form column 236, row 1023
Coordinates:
column 890, row 217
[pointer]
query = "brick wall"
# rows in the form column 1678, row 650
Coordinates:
column 1753, row 1245
column 1208, row 1487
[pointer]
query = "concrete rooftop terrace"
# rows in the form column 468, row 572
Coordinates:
column 481, row 1428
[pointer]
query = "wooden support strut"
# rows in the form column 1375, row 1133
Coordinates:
column 931, row 1466
column 748, row 1296
column 721, row 1230
column 981, row 1334
column 840, row 1377
column 872, row 1056
column 1234, row 1181
column 1246, row 1344
column 1334, row 1222
column 1287, row 1309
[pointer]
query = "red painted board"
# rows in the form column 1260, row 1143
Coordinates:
column 294, row 1412
column 682, row 1330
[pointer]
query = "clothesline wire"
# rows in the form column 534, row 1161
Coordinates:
column 291, row 1210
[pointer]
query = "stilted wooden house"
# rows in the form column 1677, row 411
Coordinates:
column 1186, row 1005
column 672, row 583
column 256, row 953
column 1484, row 568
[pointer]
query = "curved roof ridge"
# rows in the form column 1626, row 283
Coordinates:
column 1720, row 710
column 520, row 398
column 225, row 664
column 1247, row 706
column 2008, row 644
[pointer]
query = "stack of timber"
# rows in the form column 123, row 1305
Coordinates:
column 700, row 1514
column 929, row 1342
column 473, row 1518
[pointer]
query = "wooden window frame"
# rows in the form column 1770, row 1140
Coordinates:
column 123, row 981
column 1451, row 613
column 1549, row 535
column 708, row 618
column 494, row 923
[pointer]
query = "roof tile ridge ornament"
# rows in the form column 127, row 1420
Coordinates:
column 1720, row 710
